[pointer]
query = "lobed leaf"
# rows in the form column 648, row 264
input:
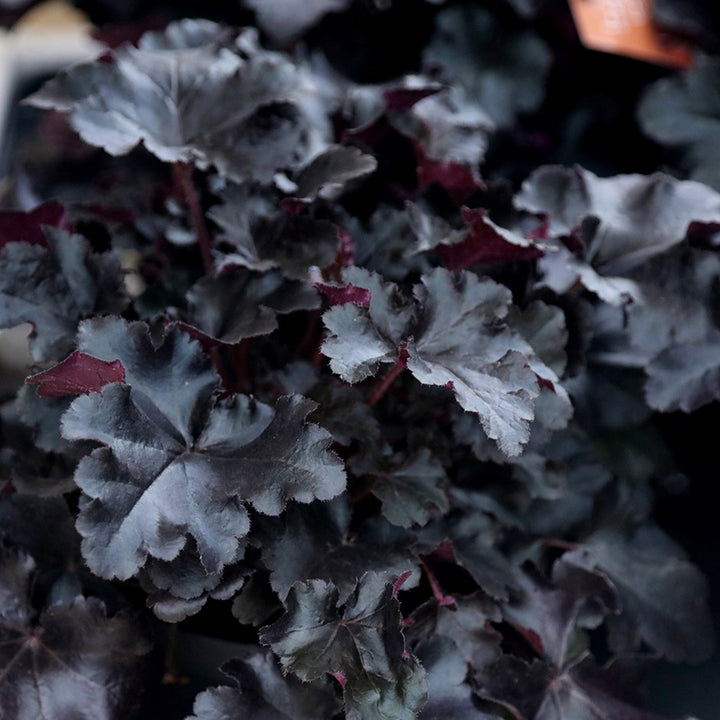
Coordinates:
column 208, row 101
column 662, row 594
column 176, row 464
column 360, row 642
column 54, row 287
column 71, row 660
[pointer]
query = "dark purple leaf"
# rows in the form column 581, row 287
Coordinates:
column 678, row 289
column 545, row 616
column 663, row 597
column 167, row 440
column 474, row 539
column 316, row 543
column 77, row 374
column 500, row 70
column 327, row 174
column 449, row 696
column 685, row 376
column 44, row 527
column 455, row 338
column 486, row 242
column 263, row 236
column 466, row 622
column 43, row 415
column 517, row 685
column 360, row 638
column 264, row 692
column 341, row 294
column 581, row 693
column 431, row 230
column 343, row 412
column 412, row 492
column 256, row 602
column 239, row 304
column 206, row 99
column 70, row 661
column 54, row 287
column 27, row 227
column 683, row 110
column 383, row 243
column 623, row 220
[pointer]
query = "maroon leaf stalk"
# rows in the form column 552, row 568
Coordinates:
column 387, row 380
column 183, row 175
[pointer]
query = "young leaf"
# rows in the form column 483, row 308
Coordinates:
column 327, row 174
column 263, row 236
column 53, row 287
column 227, row 104
column 450, row 136
column 412, row 492
column 361, row 339
column 465, row 622
column 455, row 338
column 239, row 304
column 360, row 641
column 316, row 543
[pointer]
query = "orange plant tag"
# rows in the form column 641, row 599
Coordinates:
column 625, row 27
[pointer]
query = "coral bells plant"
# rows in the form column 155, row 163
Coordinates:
column 303, row 380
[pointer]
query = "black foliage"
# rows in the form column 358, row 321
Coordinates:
column 357, row 367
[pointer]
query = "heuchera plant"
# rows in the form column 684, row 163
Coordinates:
column 399, row 428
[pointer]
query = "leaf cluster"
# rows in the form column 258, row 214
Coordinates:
column 392, row 422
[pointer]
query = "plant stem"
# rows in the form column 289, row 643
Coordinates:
column 171, row 675
column 385, row 382
column 183, row 174
column 438, row 594
column 221, row 369
column 309, row 341
column 560, row 544
column 242, row 365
